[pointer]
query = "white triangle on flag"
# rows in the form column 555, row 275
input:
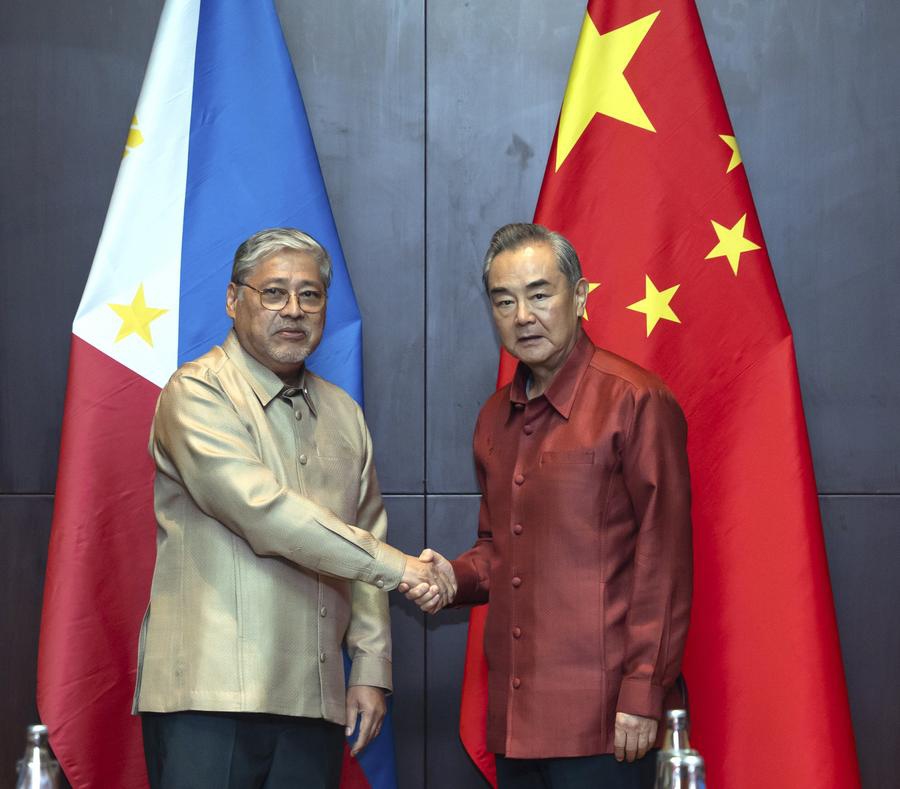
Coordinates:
column 141, row 240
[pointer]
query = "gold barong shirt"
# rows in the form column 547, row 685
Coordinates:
column 270, row 545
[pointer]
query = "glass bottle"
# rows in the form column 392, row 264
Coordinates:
column 676, row 737
column 37, row 770
column 684, row 770
column 679, row 766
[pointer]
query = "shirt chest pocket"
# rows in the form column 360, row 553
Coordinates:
column 336, row 450
column 569, row 481
column 581, row 457
column 333, row 478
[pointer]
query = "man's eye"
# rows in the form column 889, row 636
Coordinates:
column 273, row 292
column 310, row 294
column 540, row 296
column 503, row 302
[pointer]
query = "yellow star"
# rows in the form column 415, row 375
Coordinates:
column 731, row 243
column 135, row 138
column 731, row 142
column 592, row 286
column 597, row 82
column 136, row 317
column 655, row 305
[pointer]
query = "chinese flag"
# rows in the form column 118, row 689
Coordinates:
column 646, row 179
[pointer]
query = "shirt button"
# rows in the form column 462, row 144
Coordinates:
column 517, row 529
column 516, row 581
column 323, row 611
column 298, row 414
column 321, row 657
column 379, row 582
column 518, row 479
column 517, row 632
column 303, row 460
column 529, row 429
column 517, row 683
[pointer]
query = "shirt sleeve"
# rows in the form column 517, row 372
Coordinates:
column 472, row 568
column 369, row 632
column 655, row 469
column 199, row 441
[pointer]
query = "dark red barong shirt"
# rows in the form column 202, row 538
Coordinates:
column 584, row 548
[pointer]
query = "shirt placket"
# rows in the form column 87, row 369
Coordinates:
column 524, row 423
column 302, row 415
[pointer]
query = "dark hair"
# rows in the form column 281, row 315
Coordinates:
column 516, row 235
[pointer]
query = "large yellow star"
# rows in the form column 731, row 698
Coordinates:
column 731, row 142
column 136, row 317
column 731, row 243
column 597, row 82
column 592, row 286
column 655, row 305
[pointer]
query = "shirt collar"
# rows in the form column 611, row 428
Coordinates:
column 265, row 384
column 564, row 386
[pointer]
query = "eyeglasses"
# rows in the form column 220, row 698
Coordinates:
column 310, row 300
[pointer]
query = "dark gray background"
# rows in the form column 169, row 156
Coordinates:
column 433, row 122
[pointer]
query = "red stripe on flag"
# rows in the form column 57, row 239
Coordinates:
column 100, row 563
column 352, row 775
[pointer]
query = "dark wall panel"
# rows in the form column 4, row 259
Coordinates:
column 496, row 75
column 862, row 534
column 69, row 81
column 361, row 67
column 452, row 523
column 406, row 531
column 24, row 532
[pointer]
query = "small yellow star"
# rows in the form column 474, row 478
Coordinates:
column 597, row 82
column 655, row 305
column 732, row 243
column 592, row 286
column 135, row 138
column 731, row 142
column 136, row 317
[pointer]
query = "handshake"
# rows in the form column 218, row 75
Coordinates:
column 429, row 581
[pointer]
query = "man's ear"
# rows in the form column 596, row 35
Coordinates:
column 581, row 294
column 231, row 297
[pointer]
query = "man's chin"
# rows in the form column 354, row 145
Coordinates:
column 530, row 353
column 291, row 355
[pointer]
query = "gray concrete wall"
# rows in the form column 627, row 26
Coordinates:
column 433, row 121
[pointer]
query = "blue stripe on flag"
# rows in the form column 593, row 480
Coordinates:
column 252, row 164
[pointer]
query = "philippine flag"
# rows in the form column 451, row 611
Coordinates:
column 219, row 148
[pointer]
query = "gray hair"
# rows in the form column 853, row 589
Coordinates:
column 519, row 234
column 266, row 243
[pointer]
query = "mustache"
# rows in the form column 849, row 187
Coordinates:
column 289, row 326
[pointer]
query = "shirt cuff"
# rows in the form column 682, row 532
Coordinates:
column 371, row 670
column 386, row 571
column 469, row 588
column 641, row 697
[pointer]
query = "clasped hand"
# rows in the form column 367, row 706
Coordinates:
column 429, row 581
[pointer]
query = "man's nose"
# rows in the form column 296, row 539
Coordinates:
column 292, row 307
column 524, row 315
